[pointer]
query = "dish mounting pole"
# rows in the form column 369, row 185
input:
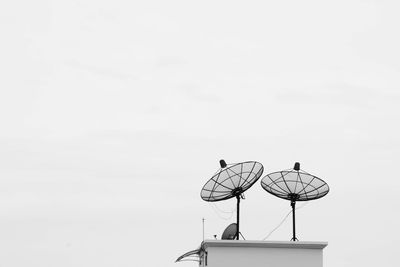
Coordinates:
column 237, row 215
column 293, row 204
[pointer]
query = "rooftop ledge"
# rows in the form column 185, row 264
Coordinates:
column 265, row 244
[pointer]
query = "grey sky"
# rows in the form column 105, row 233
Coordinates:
column 114, row 114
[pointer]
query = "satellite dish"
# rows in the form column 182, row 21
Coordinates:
column 230, row 232
column 231, row 180
column 193, row 255
column 294, row 185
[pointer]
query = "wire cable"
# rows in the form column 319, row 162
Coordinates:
column 218, row 211
column 283, row 220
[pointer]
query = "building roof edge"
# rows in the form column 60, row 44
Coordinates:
column 265, row 244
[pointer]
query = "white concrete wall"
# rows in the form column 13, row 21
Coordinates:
column 238, row 253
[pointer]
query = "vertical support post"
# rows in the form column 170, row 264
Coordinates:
column 237, row 216
column 293, row 204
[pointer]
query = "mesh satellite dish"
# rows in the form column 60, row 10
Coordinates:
column 230, row 232
column 231, row 181
column 294, row 185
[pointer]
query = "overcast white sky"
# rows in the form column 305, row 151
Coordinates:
column 113, row 114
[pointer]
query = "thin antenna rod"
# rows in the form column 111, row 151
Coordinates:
column 203, row 228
